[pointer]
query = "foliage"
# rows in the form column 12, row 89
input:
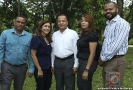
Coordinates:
column 129, row 18
column 37, row 10
column 8, row 12
column 131, row 41
column 96, row 9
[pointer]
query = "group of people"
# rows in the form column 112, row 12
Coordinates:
column 64, row 53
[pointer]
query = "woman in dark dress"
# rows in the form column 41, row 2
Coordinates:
column 41, row 55
column 86, row 53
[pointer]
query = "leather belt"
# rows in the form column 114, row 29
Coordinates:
column 117, row 56
column 14, row 65
column 65, row 58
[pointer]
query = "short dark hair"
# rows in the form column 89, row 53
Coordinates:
column 21, row 16
column 62, row 15
column 112, row 3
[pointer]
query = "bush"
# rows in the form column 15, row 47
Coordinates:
column 130, row 41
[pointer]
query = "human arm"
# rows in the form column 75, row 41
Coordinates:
column 52, row 70
column 101, row 63
column 52, row 56
column 2, row 47
column 33, row 44
column 31, row 65
column 116, row 40
column 52, row 61
column 75, row 67
column 35, row 60
column 92, row 49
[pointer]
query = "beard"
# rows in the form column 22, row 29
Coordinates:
column 110, row 16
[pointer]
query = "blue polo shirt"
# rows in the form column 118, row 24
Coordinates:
column 43, row 51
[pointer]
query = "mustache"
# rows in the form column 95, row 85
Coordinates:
column 108, row 13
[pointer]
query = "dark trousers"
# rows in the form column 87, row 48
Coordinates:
column 43, row 83
column 0, row 81
column 82, row 84
column 64, row 74
column 16, row 73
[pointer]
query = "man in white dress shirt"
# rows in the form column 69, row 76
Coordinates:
column 64, row 50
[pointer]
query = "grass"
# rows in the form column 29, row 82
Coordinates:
column 97, row 78
column 131, row 41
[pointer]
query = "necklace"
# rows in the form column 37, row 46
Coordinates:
column 43, row 36
column 85, row 30
column 45, row 39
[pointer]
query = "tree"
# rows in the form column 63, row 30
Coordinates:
column 18, row 7
column 37, row 10
column 128, row 12
column 120, row 4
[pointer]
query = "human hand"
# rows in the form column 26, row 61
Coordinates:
column 74, row 70
column 101, row 63
column 40, row 74
column 85, row 75
column 52, row 70
column 30, row 74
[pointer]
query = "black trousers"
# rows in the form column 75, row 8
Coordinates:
column 82, row 84
column 63, row 74
column 45, row 82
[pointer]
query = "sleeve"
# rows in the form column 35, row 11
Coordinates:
column 93, row 37
column 121, row 34
column 34, row 43
column 75, row 38
column 52, row 53
column 30, row 61
column 2, row 46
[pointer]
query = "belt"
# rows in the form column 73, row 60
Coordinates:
column 117, row 56
column 65, row 58
column 14, row 65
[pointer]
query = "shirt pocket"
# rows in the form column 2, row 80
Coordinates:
column 68, row 44
column 9, row 45
column 25, row 46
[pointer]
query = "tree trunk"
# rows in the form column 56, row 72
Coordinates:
column 42, row 2
column 18, row 7
column 50, row 10
column 120, row 7
column 62, row 6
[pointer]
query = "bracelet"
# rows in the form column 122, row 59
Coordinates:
column 86, row 69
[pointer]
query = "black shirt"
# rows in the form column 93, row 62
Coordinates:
column 83, row 44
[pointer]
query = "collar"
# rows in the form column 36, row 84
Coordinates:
column 65, row 30
column 114, row 19
column 14, row 31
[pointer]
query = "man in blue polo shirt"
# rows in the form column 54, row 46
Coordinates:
column 14, row 50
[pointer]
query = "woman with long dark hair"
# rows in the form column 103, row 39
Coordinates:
column 41, row 55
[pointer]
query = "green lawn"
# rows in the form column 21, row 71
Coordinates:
column 97, row 79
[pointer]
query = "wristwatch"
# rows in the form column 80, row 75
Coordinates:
column 86, row 69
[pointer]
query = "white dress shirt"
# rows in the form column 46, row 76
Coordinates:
column 115, row 38
column 64, row 44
